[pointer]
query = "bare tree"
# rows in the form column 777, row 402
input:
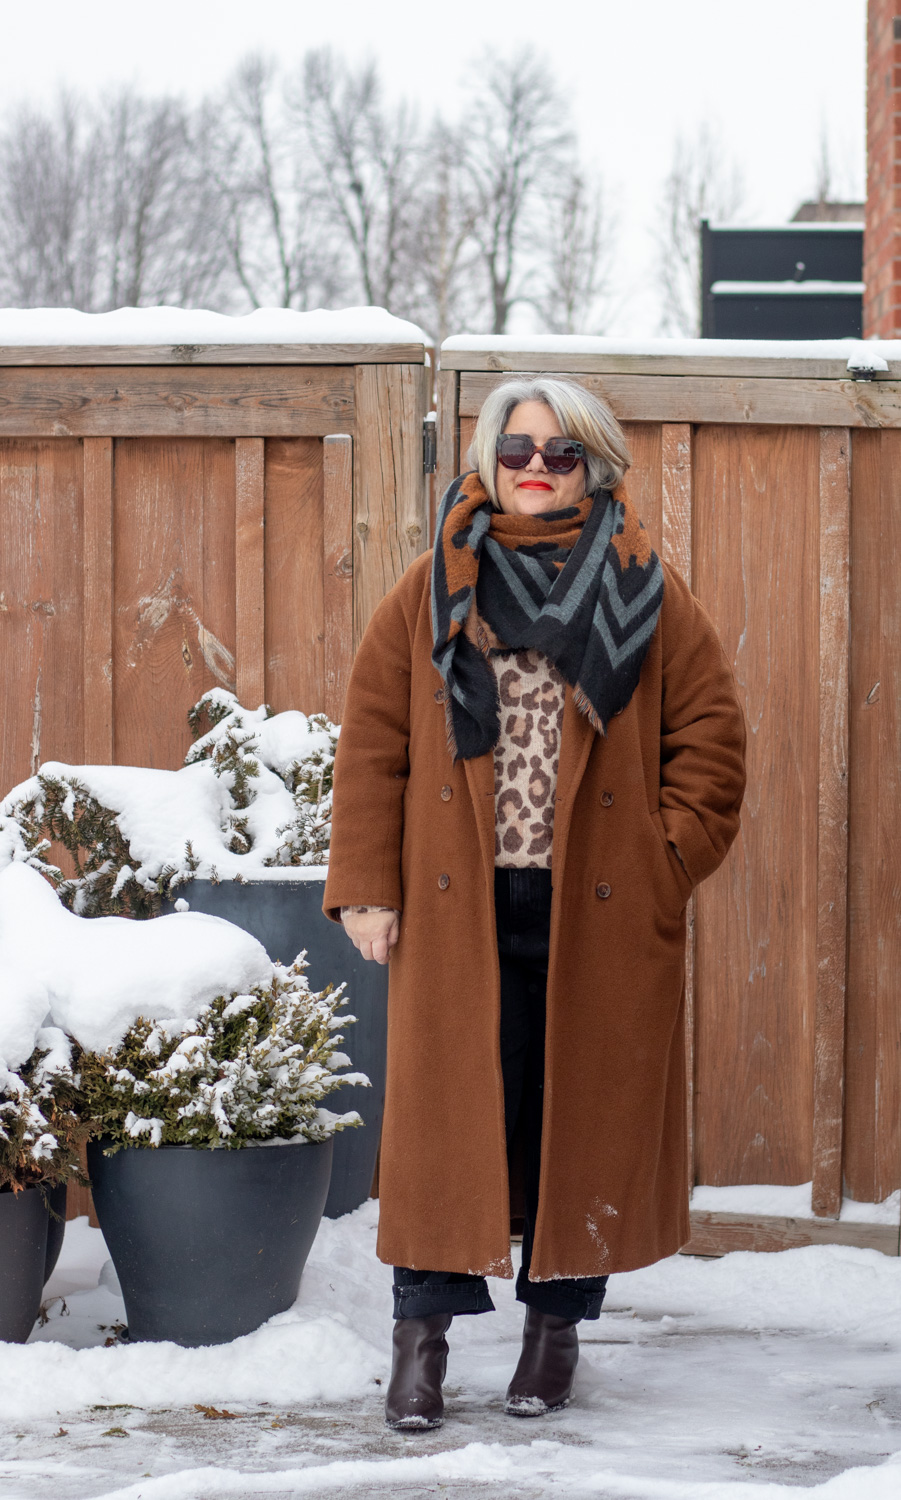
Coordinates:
column 516, row 143
column 444, row 270
column 105, row 205
column 367, row 154
column 579, row 252
column 701, row 184
column 275, row 222
column 48, row 188
column 159, row 217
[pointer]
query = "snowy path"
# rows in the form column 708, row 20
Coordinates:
column 753, row 1376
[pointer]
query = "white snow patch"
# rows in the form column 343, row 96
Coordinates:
column 788, row 288
column 186, row 326
column 159, row 812
column 94, row 976
column 668, row 348
column 790, row 1203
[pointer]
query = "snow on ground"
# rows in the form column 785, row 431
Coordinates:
column 754, row 1377
column 791, row 1202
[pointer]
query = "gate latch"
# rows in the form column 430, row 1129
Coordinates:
column 429, row 444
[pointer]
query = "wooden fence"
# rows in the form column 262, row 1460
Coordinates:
column 774, row 486
column 173, row 519
column 176, row 518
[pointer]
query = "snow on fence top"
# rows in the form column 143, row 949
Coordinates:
column 192, row 331
column 832, row 359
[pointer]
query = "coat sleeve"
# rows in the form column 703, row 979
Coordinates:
column 372, row 766
column 702, row 736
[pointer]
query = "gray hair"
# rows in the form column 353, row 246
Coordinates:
column 582, row 416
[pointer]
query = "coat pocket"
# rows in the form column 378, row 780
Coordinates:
column 680, row 875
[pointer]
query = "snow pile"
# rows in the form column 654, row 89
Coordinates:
column 253, row 802
column 790, row 1202
column 185, row 327
column 94, row 978
column 667, row 348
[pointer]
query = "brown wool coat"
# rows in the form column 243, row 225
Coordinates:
column 413, row 831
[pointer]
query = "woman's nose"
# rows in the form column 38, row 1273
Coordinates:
column 536, row 462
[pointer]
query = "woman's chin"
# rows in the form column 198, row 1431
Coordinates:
column 533, row 502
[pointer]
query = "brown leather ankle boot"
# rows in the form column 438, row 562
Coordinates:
column 543, row 1380
column 414, row 1401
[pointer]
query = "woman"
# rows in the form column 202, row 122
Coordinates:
column 541, row 755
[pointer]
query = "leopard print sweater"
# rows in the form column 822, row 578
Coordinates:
column 526, row 757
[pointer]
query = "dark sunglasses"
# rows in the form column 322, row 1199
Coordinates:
column 515, row 450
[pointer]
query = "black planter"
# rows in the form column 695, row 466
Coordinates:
column 286, row 916
column 208, row 1244
column 23, row 1259
column 56, row 1227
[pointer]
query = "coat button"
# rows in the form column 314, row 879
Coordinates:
column 443, row 882
column 603, row 890
column 446, row 793
column 606, row 799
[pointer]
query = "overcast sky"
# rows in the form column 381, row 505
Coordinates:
column 771, row 77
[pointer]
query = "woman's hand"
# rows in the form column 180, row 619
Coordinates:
column 373, row 932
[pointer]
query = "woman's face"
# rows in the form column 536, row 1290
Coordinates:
column 529, row 491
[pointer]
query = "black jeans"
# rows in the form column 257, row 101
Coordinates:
column 523, row 906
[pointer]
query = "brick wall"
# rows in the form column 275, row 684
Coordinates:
column 882, row 240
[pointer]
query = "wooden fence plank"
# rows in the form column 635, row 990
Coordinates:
column 211, row 401
column 211, row 354
column 390, row 493
column 675, row 466
column 643, row 480
column 448, row 432
column 676, row 483
column 98, row 601
column 41, row 606
column 167, row 650
column 719, row 1234
column 610, row 362
column 725, row 399
column 755, row 558
column 872, row 1156
column 337, row 570
column 250, row 651
column 832, row 837
column 295, row 633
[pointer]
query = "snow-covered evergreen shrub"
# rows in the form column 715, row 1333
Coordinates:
column 105, row 883
column 250, row 1067
column 224, row 737
column 120, row 871
column 41, row 1126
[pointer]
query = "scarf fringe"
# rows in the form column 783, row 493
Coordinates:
column 583, row 704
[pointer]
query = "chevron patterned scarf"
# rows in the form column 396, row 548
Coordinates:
column 583, row 585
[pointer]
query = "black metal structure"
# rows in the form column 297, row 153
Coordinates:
column 814, row 271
